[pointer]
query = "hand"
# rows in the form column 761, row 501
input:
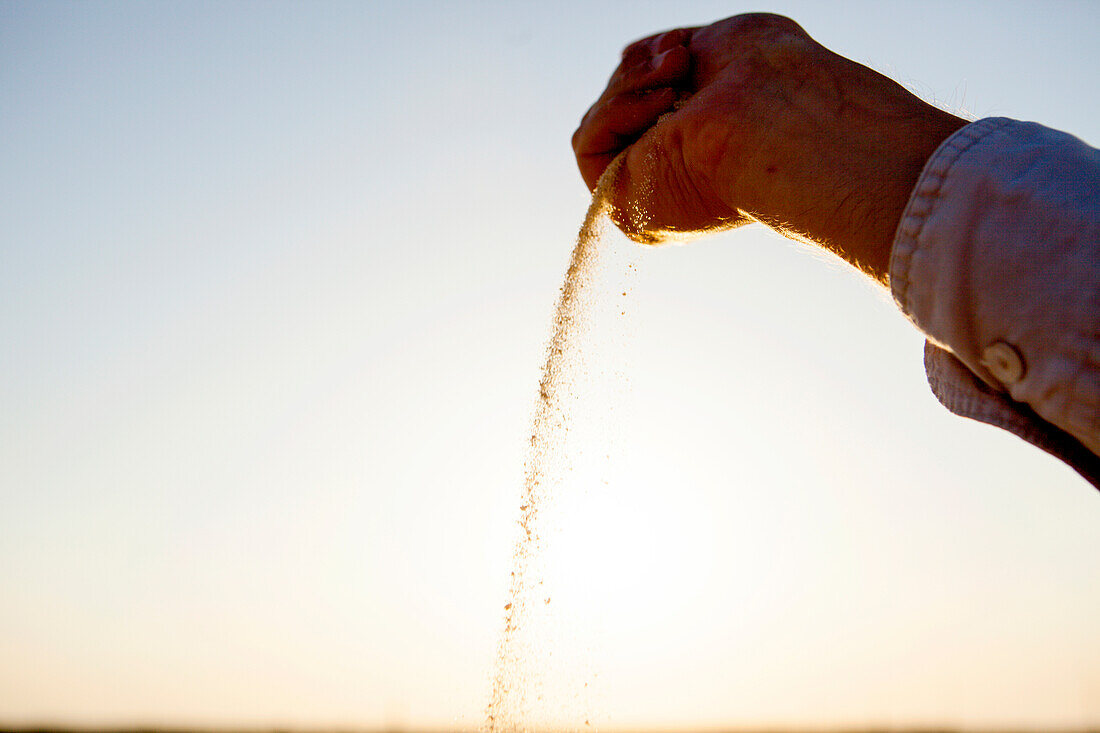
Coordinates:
column 750, row 119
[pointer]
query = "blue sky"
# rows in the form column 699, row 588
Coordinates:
column 275, row 280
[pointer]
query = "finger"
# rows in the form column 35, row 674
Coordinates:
column 615, row 124
column 663, row 69
column 675, row 37
column 623, row 116
column 650, row 45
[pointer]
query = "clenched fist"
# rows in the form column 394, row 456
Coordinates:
column 750, row 119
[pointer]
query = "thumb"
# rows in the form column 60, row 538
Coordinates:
column 652, row 199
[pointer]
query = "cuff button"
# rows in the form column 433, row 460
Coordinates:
column 1004, row 362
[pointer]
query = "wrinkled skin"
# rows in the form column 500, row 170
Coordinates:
column 759, row 122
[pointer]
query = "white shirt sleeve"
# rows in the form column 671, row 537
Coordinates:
column 997, row 260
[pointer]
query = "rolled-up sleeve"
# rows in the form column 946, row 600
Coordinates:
column 997, row 260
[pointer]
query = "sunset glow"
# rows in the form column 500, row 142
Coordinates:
column 276, row 282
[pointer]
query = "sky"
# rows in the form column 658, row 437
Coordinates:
column 275, row 283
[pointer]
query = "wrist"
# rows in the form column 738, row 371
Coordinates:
column 858, row 215
column 871, row 244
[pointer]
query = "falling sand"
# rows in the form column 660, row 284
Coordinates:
column 517, row 692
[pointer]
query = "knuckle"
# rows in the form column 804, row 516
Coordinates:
column 671, row 39
column 632, row 50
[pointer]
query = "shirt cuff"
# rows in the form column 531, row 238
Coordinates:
column 961, row 392
column 1001, row 223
